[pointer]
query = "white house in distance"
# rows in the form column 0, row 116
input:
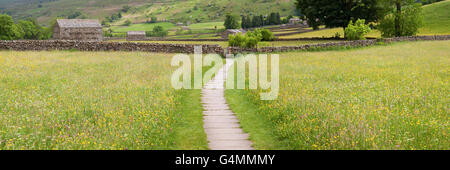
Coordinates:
column 294, row 21
column 135, row 35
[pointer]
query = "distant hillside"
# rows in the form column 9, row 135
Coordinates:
column 45, row 10
column 437, row 18
column 142, row 10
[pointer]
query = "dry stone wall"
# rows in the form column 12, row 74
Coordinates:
column 22, row 45
column 358, row 43
column 37, row 45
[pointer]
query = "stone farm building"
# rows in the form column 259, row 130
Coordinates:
column 232, row 32
column 294, row 21
column 78, row 29
column 135, row 35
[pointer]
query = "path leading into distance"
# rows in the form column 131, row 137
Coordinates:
column 221, row 125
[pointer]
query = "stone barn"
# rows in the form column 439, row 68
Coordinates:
column 78, row 29
column 135, row 35
column 232, row 32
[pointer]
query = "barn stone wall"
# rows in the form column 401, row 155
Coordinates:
column 81, row 34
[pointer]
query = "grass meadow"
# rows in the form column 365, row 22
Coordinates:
column 382, row 97
column 95, row 100
column 142, row 27
column 207, row 25
column 437, row 18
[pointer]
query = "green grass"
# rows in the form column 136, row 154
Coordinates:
column 189, row 133
column 95, row 100
column 328, row 33
column 207, row 25
column 142, row 27
column 261, row 133
column 382, row 97
column 437, row 18
column 225, row 43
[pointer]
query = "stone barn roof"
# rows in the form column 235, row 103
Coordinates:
column 235, row 31
column 78, row 23
column 136, row 32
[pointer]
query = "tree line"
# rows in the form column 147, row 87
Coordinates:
column 247, row 21
column 391, row 17
column 259, row 21
column 23, row 29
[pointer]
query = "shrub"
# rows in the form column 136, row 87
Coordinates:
column 250, row 39
column 251, row 42
column 127, row 23
column 256, row 34
column 356, row 31
column 237, row 40
column 267, row 35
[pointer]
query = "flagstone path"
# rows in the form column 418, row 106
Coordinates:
column 220, row 123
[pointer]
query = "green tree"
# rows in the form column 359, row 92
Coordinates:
column 7, row 29
column 255, row 21
column 244, row 22
column 272, row 19
column 404, row 18
column 249, row 22
column 17, row 32
column 261, row 20
column 277, row 18
column 158, row 31
column 338, row 13
column 231, row 22
column 30, row 30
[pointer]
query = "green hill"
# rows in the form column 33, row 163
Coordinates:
column 142, row 10
column 437, row 18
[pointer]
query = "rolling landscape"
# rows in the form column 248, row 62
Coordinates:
column 141, row 10
column 372, row 84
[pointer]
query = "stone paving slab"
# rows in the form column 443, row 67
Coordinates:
column 231, row 145
column 221, row 119
column 228, row 137
column 224, row 131
column 219, row 113
column 220, row 123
